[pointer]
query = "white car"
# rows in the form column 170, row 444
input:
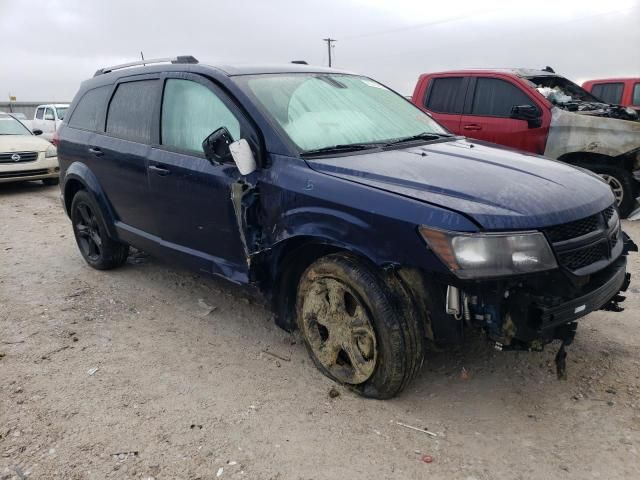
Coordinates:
column 48, row 118
column 24, row 156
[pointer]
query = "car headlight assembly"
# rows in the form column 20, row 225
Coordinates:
column 51, row 152
column 482, row 255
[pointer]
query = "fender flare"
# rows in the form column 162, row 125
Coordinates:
column 79, row 172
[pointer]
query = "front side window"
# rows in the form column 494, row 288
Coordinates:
column 190, row 113
column 495, row 98
column 11, row 126
column 609, row 92
column 635, row 99
column 319, row 110
column 40, row 113
column 130, row 114
column 446, row 95
column 49, row 115
column 86, row 115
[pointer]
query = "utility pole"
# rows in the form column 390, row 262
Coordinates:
column 329, row 42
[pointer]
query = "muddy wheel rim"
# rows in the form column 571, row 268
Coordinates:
column 88, row 232
column 616, row 187
column 338, row 330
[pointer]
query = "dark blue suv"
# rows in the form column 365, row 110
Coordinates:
column 369, row 227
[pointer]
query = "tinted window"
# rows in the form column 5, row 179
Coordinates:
column 40, row 113
column 609, row 92
column 191, row 112
column 62, row 111
column 445, row 95
column 130, row 114
column 635, row 100
column 495, row 98
column 88, row 112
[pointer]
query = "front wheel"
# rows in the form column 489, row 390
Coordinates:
column 358, row 330
column 622, row 185
column 89, row 228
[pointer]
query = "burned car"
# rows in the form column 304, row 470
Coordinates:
column 367, row 225
column 543, row 113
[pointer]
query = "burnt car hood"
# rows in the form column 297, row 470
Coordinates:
column 499, row 188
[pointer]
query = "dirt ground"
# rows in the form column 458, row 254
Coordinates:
column 150, row 371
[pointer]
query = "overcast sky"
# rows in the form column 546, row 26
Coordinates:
column 49, row 47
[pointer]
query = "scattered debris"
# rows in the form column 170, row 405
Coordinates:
column 124, row 455
column 333, row 392
column 426, row 458
column 93, row 370
column 464, row 374
column 207, row 309
column 57, row 350
column 219, row 473
column 77, row 293
column 14, row 342
column 417, row 429
column 286, row 359
column 194, row 425
column 232, row 462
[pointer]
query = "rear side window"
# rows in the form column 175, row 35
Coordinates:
column 445, row 95
column 496, row 98
column 191, row 112
column 609, row 92
column 635, row 99
column 88, row 112
column 49, row 115
column 130, row 114
column 40, row 113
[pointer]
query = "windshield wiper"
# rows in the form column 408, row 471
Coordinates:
column 350, row 147
column 420, row 136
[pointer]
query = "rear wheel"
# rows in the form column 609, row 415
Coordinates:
column 622, row 185
column 89, row 228
column 358, row 330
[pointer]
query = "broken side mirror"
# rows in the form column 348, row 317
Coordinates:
column 219, row 147
column 243, row 156
column 529, row 113
column 216, row 146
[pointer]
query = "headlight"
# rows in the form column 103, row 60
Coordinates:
column 51, row 151
column 490, row 254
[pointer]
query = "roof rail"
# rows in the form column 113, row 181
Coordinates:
column 178, row 59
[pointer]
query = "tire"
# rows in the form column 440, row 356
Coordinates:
column 51, row 181
column 361, row 329
column 89, row 227
column 622, row 184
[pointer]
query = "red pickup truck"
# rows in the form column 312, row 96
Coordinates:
column 621, row 91
column 543, row 113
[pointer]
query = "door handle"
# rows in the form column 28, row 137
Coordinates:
column 96, row 151
column 159, row 170
column 472, row 126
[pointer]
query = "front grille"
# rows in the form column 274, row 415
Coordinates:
column 575, row 229
column 584, row 257
column 586, row 242
column 18, row 157
column 24, row 173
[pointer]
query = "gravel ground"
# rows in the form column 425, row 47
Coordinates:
column 150, row 371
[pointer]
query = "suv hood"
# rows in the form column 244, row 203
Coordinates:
column 499, row 188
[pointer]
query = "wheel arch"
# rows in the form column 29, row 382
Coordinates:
column 79, row 177
column 587, row 159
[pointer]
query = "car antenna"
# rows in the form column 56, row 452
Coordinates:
column 548, row 69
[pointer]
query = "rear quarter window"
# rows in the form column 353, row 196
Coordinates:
column 130, row 114
column 89, row 110
column 635, row 98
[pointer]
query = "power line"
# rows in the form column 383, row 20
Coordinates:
column 329, row 42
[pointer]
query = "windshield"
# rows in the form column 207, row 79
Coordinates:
column 560, row 91
column 62, row 111
column 11, row 126
column 319, row 111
